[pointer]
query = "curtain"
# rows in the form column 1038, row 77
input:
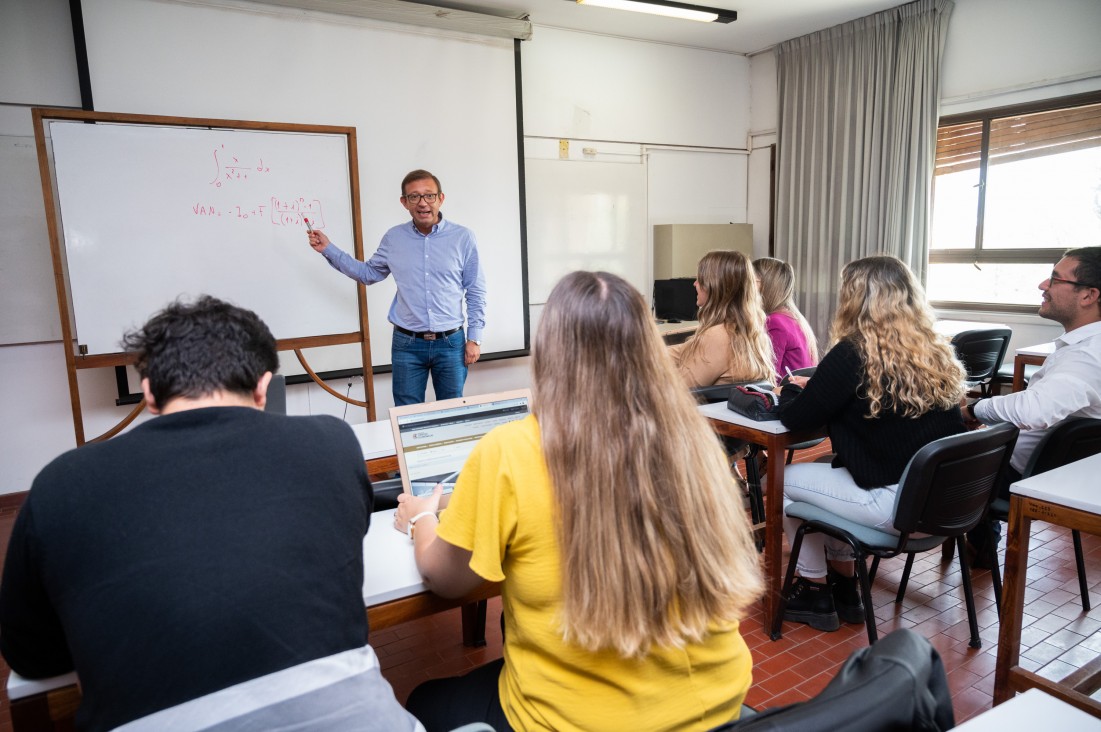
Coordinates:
column 858, row 109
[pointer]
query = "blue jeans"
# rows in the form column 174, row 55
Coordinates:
column 413, row 359
column 834, row 490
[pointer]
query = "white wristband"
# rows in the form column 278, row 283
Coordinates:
column 415, row 519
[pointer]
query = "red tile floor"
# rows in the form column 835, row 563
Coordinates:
column 1057, row 639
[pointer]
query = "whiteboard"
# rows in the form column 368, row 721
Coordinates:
column 586, row 215
column 151, row 213
column 28, row 299
column 417, row 98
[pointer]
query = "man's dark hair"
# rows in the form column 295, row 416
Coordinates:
column 1088, row 269
column 192, row 350
column 418, row 174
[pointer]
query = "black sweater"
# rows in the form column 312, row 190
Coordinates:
column 875, row 451
column 202, row 549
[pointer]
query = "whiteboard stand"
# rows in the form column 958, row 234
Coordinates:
column 142, row 208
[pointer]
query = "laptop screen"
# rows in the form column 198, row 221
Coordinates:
column 434, row 440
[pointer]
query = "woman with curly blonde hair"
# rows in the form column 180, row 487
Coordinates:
column 888, row 386
column 731, row 343
column 611, row 519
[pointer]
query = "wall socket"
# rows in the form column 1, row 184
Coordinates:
column 563, row 149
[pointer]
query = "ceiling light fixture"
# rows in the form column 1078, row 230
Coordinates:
column 668, row 8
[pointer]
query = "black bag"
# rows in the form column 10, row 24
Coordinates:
column 755, row 402
column 897, row 684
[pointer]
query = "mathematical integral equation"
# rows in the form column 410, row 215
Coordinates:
column 229, row 168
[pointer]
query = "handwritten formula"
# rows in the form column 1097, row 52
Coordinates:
column 229, row 168
column 279, row 212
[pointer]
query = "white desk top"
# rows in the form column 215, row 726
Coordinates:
column 389, row 573
column 718, row 410
column 1072, row 485
column 685, row 326
column 376, row 439
column 1041, row 349
column 1032, row 710
column 955, row 327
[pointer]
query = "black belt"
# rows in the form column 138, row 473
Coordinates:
column 427, row 335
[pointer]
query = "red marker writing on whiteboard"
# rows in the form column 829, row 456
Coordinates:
column 308, row 227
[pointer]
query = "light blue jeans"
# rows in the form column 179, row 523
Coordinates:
column 414, row 358
column 834, row 490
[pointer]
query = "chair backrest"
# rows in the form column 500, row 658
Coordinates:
column 982, row 351
column 948, row 484
column 1070, row 440
column 277, row 395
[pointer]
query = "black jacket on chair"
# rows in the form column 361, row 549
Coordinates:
column 897, row 684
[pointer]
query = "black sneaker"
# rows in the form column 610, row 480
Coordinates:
column 812, row 603
column 846, row 597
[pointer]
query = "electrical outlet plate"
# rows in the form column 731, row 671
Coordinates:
column 564, row 149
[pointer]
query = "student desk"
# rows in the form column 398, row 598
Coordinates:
column 775, row 438
column 1033, row 710
column 1065, row 496
column 376, row 439
column 673, row 333
column 953, row 328
column 393, row 592
column 1029, row 356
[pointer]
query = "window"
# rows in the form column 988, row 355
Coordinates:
column 1012, row 189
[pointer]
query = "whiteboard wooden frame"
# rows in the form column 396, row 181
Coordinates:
column 75, row 361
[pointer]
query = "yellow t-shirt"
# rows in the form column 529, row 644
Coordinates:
column 502, row 511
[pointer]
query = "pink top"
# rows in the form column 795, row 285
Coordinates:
column 788, row 343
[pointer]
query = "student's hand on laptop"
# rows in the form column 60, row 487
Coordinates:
column 410, row 506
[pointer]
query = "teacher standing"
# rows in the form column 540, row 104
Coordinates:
column 436, row 268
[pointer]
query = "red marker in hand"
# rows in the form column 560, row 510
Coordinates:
column 308, row 227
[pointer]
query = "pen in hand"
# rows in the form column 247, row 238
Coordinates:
column 308, row 227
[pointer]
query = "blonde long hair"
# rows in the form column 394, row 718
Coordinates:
column 778, row 296
column 908, row 366
column 655, row 545
column 734, row 303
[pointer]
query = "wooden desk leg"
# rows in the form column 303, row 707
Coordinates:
column 774, row 527
column 1018, row 374
column 474, row 623
column 1013, row 598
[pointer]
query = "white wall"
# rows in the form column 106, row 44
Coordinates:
column 595, row 91
column 997, row 52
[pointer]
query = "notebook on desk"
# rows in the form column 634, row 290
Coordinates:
column 433, row 440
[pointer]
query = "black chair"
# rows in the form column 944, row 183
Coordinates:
column 1070, row 440
column 982, row 353
column 943, row 493
column 277, row 395
column 720, row 393
column 897, row 684
column 1004, row 377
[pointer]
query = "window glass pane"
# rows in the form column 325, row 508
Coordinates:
column 1002, row 284
column 955, row 186
column 1050, row 201
column 955, row 210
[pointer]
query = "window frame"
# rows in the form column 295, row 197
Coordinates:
column 977, row 255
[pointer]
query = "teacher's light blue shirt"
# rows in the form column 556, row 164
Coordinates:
column 434, row 273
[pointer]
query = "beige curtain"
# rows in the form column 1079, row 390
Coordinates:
column 856, row 141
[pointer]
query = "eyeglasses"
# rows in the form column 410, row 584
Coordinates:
column 1053, row 279
column 415, row 198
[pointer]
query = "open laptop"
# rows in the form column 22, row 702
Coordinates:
column 433, row 440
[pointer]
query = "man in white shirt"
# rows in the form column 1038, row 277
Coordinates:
column 1068, row 384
